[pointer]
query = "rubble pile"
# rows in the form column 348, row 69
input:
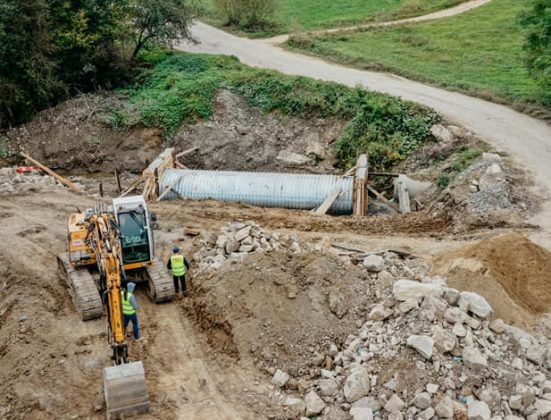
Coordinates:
column 428, row 351
column 236, row 240
column 12, row 182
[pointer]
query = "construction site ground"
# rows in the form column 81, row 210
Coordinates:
column 49, row 354
column 212, row 355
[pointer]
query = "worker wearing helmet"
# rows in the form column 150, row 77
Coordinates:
column 179, row 266
column 130, row 309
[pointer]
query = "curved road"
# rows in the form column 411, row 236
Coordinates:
column 451, row 11
column 526, row 139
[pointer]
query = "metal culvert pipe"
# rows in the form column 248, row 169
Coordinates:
column 292, row 191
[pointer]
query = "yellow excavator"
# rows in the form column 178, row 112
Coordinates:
column 107, row 247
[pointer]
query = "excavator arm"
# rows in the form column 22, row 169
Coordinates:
column 124, row 383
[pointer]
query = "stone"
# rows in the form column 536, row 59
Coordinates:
column 280, row 378
column 231, row 246
column 337, row 304
column 491, row 157
column 369, row 402
column 328, row 387
column 394, row 404
column 246, row 248
column 407, row 289
column 441, row 133
column 427, row 414
column 241, row 234
column 459, row 132
column 316, row 149
column 423, row 344
column 543, row 407
column 361, row 413
column 432, row 388
column 454, row 315
column 451, row 295
column 374, row 263
column 357, row 385
column 536, row 354
column 408, row 305
column 422, row 400
column 295, row 406
column 444, row 409
column 473, row 358
column 515, row 402
column 292, row 158
column 475, row 304
column 526, row 392
column 380, row 313
column 314, row 404
column 478, row 410
column 443, row 340
column 459, row 330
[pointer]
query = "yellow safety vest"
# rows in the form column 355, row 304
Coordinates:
column 177, row 265
column 127, row 307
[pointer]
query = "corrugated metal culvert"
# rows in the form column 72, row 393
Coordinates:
column 292, row 191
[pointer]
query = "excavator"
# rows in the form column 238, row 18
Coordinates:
column 108, row 246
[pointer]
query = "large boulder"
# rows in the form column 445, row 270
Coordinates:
column 441, row 133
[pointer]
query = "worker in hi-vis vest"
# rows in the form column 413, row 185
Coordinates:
column 179, row 266
column 130, row 309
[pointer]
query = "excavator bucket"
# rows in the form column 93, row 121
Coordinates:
column 125, row 390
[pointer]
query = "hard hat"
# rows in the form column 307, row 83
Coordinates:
column 176, row 249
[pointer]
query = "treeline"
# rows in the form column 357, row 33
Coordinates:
column 51, row 49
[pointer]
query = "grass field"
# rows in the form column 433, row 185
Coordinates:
column 299, row 15
column 180, row 88
column 479, row 52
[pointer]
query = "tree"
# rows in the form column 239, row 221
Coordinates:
column 538, row 42
column 159, row 22
column 28, row 81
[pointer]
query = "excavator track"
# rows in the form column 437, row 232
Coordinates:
column 82, row 288
column 161, row 285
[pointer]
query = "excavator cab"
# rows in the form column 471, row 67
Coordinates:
column 135, row 232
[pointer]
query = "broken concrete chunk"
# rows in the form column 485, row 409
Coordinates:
column 394, row 404
column 380, row 313
column 314, row 404
column 407, row 289
column 473, row 358
column 357, row 385
column 444, row 409
column 361, row 413
column 374, row 263
column 478, row 410
column 423, row 344
column 475, row 304
column 295, row 406
column 444, row 341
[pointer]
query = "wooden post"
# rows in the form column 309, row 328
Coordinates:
column 64, row 181
column 360, row 190
column 403, row 195
column 101, row 189
column 118, row 178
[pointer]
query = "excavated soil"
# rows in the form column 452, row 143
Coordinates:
column 73, row 137
column 281, row 309
column 509, row 270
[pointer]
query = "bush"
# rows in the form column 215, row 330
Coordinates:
column 247, row 14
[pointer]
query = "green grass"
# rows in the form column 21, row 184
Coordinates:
column 478, row 52
column 299, row 15
column 180, row 88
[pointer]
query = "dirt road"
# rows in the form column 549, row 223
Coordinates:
column 527, row 139
column 452, row 11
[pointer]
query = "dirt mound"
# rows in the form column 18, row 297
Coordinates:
column 74, row 136
column 509, row 270
column 282, row 309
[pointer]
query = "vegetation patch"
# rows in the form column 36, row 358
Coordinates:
column 180, row 88
column 479, row 52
